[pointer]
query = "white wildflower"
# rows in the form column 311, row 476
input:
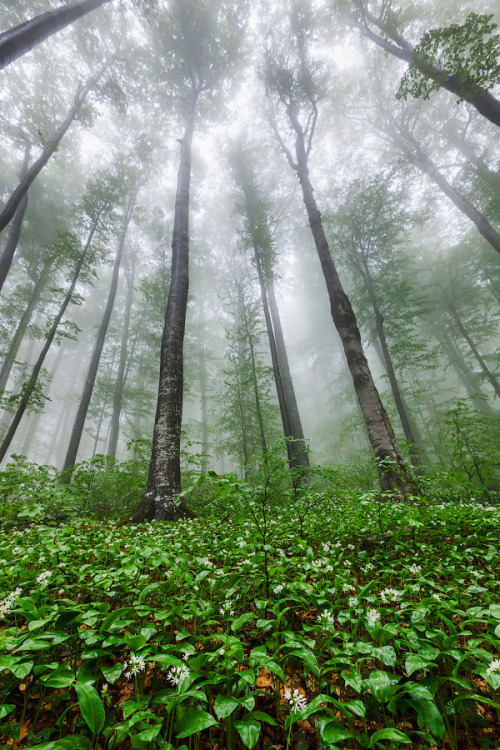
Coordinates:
column 372, row 617
column 136, row 664
column 353, row 600
column 177, row 674
column 494, row 666
column 414, row 569
column 326, row 618
column 296, row 700
column 44, row 577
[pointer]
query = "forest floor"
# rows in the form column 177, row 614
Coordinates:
column 350, row 624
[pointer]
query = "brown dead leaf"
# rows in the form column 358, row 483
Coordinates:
column 264, row 680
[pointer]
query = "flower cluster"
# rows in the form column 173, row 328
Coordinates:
column 326, row 618
column 177, row 674
column 389, row 595
column 296, row 700
column 136, row 664
column 494, row 666
column 7, row 603
column 372, row 617
column 414, row 569
column 44, row 577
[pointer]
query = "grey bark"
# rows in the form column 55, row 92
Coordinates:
column 31, row 383
column 164, row 480
column 24, row 185
column 16, row 42
column 15, row 230
column 81, row 415
column 122, row 363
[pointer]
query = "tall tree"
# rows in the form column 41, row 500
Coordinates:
column 258, row 235
column 16, row 42
column 79, row 423
column 198, row 46
column 292, row 83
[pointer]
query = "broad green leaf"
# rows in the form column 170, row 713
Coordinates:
column 6, row 709
column 394, row 735
column 414, row 662
column 61, row 677
column 242, row 620
column 111, row 674
column 91, row 707
column 249, row 731
column 194, row 720
column 224, row 706
column 332, row 732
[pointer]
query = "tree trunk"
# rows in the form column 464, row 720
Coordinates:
column 255, row 383
column 393, row 472
column 203, row 388
column 22, row 326
column 81, row 415
column 475, row 351
column 426, row 165
column 415, row 444
column 24, row 185
column 31, row 383
column 21, row 39
column 15, row 231
column 292, row 426
column 481, row 99
column 164, row 481
column 121, row 374
column 33, row 425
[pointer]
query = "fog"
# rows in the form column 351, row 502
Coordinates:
column 407, row 190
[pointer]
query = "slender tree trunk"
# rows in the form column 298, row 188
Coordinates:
column 480, row 98
column 393, row 472
column 21, row 39
column 292, row 426
column 475, row 351
column 99, row 425
column 33, row 425
column 203, row 387
column 81, row 415
column 24, row 185
column 426, row 165
column 415, row 444
column 121, row 374
column 255, row 383
column 15, row 230
column 31, row 383
column 22, row 326
column 243, row 417
column 164, row 481
column 64, row 419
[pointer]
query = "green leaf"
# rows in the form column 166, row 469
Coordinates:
column 6, row 709
column 91, row 707
column 388, row 734
column 357, row 707
column 194, row 720
column 61, row 677
column 331, row 733
column 353, row 679
column 111, row 674
column 22, row 670
column 414, row 662
column 429, row 715
column 386, row 654
column 261, row 716
column 242, row 620
column 379, row 683
column 224, row 706
column 249, row 731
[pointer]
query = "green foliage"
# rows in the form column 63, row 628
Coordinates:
column 372, row 621
column 469, row 51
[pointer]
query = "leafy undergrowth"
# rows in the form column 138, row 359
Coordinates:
column 356, row 624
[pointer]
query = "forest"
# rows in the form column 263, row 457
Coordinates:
column 249, row 374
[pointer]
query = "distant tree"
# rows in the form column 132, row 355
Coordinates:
column 293, row 86
column 257, row 234
column 16, row 42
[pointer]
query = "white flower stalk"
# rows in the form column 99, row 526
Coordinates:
column 9, row 601
column 136, row 664
column 326, row 618
column 296, row 700
column 372, row 617
column 44, row 577
column 177, row 674
column 494, row 666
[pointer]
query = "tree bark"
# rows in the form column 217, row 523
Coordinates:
column 15, row 230
column 21, row 39
column 426, row 165
column 255, row 383
column 203, row 388
column 121, row 374
column 81, row 415
column 481, row 99
column 394, row 474
column 164, row 480
column 22, row 326
column 24, row 185
column 475, row 351
column 292, row 426
column 31, row 383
